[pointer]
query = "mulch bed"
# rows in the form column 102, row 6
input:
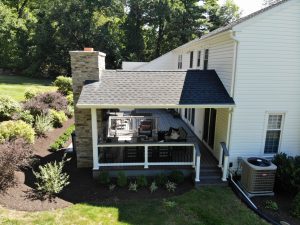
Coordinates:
column 284, row 206
column 82, row 188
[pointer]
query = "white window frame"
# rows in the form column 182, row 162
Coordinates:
column 283, row 114
column 179, row 63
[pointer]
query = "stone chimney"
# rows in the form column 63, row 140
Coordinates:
column 85, row 65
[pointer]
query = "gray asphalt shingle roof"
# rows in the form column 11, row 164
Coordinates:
column 155, row 88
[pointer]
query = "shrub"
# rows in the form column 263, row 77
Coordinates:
column 13, row 155
column 288, row 173
column 169, row 204
column 25, row 116
column 41, row 103
column 63, row 84
column 170, row 186
column 10, row 130
column 69, row 111
column 59, row 143
column 133, row 186
column 161, row 179
column 31, row 93
column 142, row 181
column 121, row 179
column 70, row 99
column 104, row 177
column 58, row 118
column 269, row 204
column 177, row 177
column 51, row 179
column 153, row 187
column 43, row 123
column 296, row 206
column 8, row 107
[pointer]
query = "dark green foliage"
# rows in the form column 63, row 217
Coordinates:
column 104, row 177
column 296, row 206
column 121, row 179
column 161, row 179
column 288, row 173
column 142, row 181
column 176, row 177
column 271, row 205
column 59, row 143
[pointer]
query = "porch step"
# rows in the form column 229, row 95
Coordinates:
column 213, row 182
column 211, row 176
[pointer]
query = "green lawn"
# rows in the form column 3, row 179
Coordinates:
column 15, row 86
column 209, row 205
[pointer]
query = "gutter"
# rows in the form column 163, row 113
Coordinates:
column 240, row 193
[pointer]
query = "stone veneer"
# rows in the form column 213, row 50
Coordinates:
column 85, row 65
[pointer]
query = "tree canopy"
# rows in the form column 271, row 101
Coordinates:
column 36, row 35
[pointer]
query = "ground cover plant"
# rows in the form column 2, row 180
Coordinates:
column 59, row 143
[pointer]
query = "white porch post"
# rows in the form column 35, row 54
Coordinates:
column 146, row 166
column 95, row 139
column 225, row 168
column 194, row 156
column 220, row 157
column 197, row 168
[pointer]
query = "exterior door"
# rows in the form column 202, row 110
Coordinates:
column 209, row 127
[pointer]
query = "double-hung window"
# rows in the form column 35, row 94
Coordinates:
column 273, row 133
column 198, row 58
column 205, row 62
column 179, row 61
column 191, row 59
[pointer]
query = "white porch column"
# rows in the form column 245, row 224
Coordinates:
column 197, row 168
column 95, row 139
column 225, row 168
column 146, row 166
column 220, row 157
column 194, row 157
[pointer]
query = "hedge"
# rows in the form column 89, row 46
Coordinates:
column 61, row 140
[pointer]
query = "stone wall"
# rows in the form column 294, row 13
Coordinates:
column 85, row 66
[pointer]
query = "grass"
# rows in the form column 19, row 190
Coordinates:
column 206, row 206
column 15, row 86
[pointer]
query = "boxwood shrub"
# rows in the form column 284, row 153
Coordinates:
column 8, row 106
column 10, row 130
column 63, row 84
column 59, row 143
column 58, row 118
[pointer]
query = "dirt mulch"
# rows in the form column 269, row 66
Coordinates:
column 82, row 188
column 284, row 207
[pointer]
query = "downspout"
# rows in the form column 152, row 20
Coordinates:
column 236, row 42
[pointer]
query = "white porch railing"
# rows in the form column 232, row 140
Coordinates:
column 224, row 160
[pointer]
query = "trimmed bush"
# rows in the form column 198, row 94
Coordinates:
column 31, row 93
column 161, row 179
column 43, row 124
column 8, row 106
column 10, row 130
column 13, row 155
column 58, row 118
column 177, row 177
column 121, row 179
column 25, row 116
column 287, row 173
column 41, row 103
column 70, row 99
column 296, row 206
column 51, row 179
column 63, row 84
column 104, row 178
column 59, row 143
column 69, row 111
column 142, row 181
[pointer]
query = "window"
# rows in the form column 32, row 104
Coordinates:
column 180, row 62
column 189, row 114
column 198, row 58
column 205, row 63
column 193, row 117
column 273, row 133
column 185, row 112
column 191, row 59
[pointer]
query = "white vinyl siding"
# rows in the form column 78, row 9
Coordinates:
column 267, row 80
